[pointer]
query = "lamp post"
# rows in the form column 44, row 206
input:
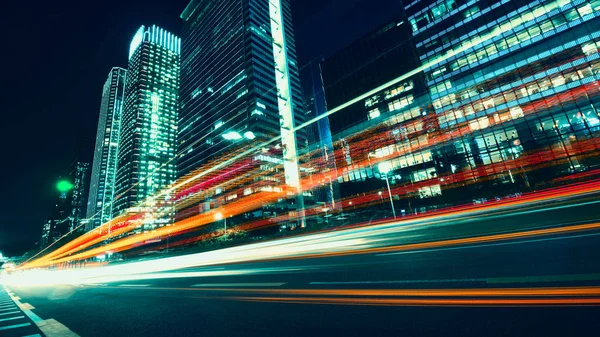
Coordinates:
column 384, row 168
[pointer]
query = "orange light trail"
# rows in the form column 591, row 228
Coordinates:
column 549, row 296
column 457, row 242
column 488, row 302
column 472, row 292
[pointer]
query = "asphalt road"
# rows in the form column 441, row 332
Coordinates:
column 367, row 294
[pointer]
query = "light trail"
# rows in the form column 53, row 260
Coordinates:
column 495, row 302
column 344, row 242
column 545, row 296
column 245, row 205
column 452, row 293
column 496, row 32
column 464, row 241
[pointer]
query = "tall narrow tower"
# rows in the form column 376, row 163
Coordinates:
column 104, row 168
column 149, row 124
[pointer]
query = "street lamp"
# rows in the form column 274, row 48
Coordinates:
column 219, row 216
column 384, row 168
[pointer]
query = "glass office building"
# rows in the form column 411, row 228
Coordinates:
column 149, row 123
column 510, row 104
column 515, row 88
column 236, row 76
column 239, row 83
column 367, row 63
column 79, row 175
column 104, row 167
column 365, row 66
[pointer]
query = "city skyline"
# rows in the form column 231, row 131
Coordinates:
column 332, row 167
column 83, row 83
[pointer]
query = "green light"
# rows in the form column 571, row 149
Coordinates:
column 64, row 186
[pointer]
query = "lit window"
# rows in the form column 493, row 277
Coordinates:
column 516, row 112
column 155, row 101
column 585, row 10
column 374, row 113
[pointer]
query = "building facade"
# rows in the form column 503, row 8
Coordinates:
column 149, row 121
column 509, row 105
column 80, row 176
column 365, row 66
column 104, row 168
column 320, row 149
column 230, row 59
column 239, row 83
column 58, row 223
column 369, row 63
column 514, row 86
column 68, row 214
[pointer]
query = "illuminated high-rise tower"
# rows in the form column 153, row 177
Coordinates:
column 149, row 123
column 104, row 168
column 239, row 82
column 239, row 77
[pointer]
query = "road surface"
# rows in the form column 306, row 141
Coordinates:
column 539, row 282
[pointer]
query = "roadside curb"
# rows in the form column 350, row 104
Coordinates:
column 50, row 327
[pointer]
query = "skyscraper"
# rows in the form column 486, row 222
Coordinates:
column 239, row 77
column 80, row 174
column 149, row 122
column 59, row 221
column 514, row 86
column 239, row 82
column 366, row 65
column 104, row 169
column 68, row 212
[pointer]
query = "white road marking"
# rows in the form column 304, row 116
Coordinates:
column 10, row 313
column 15, row 326
column 134, row 285
column 50, row 327
column 216, row 285
column 53, row 328
column 11, row 318
column 8, row 308
column 26, row 306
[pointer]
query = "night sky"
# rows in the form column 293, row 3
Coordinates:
column 57, row 55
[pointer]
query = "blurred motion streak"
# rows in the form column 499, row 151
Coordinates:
column 428, row 302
